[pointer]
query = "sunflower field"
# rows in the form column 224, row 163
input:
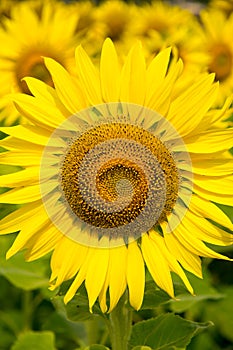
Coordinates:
column 116, row 175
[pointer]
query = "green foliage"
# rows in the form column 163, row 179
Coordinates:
column 20, row 273
column 203, row 291
column 35, row 340
column 165, row 332
column 222, row 318
column 96, row 347
column 77, row 310
column 153, row 296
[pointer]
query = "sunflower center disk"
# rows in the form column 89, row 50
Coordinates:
column 114, row 181
column 112, row 176
column 222, row 61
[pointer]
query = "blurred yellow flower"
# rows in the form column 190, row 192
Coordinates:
column 218, row 29
column 34, row 30
column 160, row 25
column 115, row 18
column 223, row 5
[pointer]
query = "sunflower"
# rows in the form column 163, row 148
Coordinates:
column 218, row 45
column 85, row 9
column 5, row 7
column 160, row 17
column 34, row 29
column 187, row 42
column 223, row 5
column 119, row 171
column 160, row 25
column 88, row 31
column 115, row 18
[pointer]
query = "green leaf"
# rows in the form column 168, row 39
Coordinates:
column 22, row 274
column 96, row 347
column 183, row 303
column 167, row 332
column 77, row 310
column 65, row 329
column 12, row 320
column 220, row 312
column 141, row 347
column 153, row 297
column 35, row 341
column 205, row 341
column 6, row 339
column 203, row 290
column 27, row 276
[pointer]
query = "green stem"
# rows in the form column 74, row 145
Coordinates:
column 104, row 337
column 92, row 329
column 27, row 306
column 120, row 325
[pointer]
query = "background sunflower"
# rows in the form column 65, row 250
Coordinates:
column 30, row 31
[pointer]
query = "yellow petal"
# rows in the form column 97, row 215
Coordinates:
column 206, row 231
column 214, row 116
column 157, row 264
column 21, row 195
column 133, row 77
column 194, row 244
column 213, row 196
column 210, row 141
column 43, row 242
column 73, row 257
column 81, row 275
column 89, row 77
column 41, row 90
column 172, row 262
column 103, row 294
column 160, row 99
column 215, row 166
column 209, row 210
column 44, row 115
column 45, row 93
column 30, row 231
column 222, row 185
column 96, row 274
column 30, row 133
column 20, row 178
column 117, row 275
column 15, row 144
column 203, row 94
column 135, row 275
column 157, row 71
column 191, row 262
column 25, row 159
column 109, row 72
column 67, row 89
column 19, row 218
